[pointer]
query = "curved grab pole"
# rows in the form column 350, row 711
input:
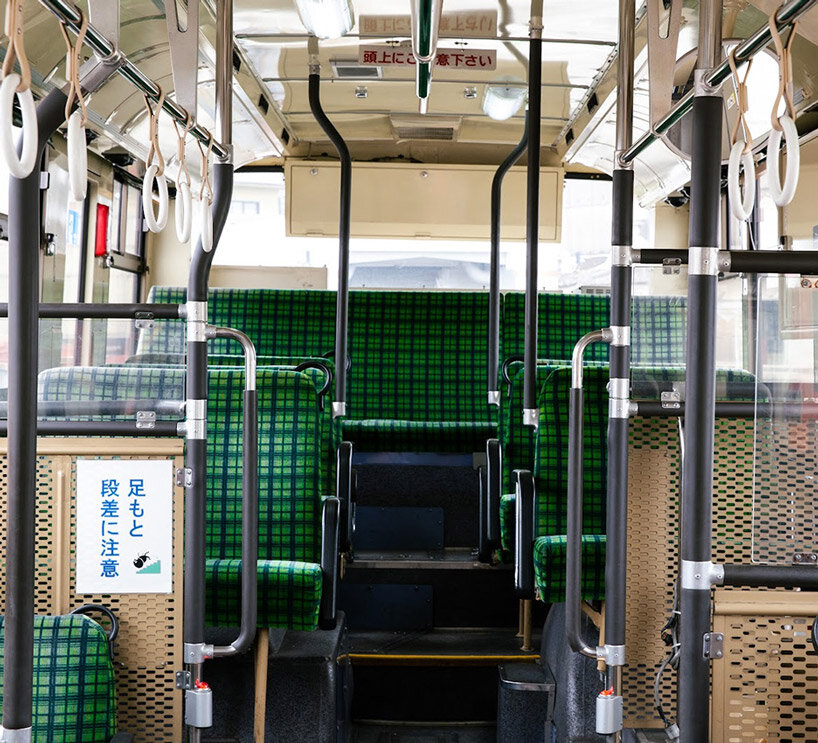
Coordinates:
column 20, row 166
column 573, row 556
column 339, row 405
column 782, row 194
column 494, row 273
column 155, row 173
column 249, row 498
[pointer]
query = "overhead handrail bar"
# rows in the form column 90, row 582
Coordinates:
column 786, row 15
column 72, row 17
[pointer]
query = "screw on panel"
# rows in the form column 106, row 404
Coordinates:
column 713, row 647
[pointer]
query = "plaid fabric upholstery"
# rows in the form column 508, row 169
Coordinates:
column 74, row 683
column 508, row 508
column 85, row 383
column 280, row 322
column 659, row 331
column 418, row 361
column 289, row 593
column 399, row 435
column 551, row 458
column 289, row 498
column 550, row 564
column 658, row 336
column 562, row 320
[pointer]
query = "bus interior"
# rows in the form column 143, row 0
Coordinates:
column 486, row 331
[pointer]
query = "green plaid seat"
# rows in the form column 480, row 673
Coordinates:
column 74, row 682
column 87, row 383
column 280, row 322
column 551, row 481
column 289, row 499
column 562, row 320
column 417, row 381
column 330, row 428
column 659, row 331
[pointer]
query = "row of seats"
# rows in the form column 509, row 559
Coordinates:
column 297, row 565
column 417, row 380
column 538, row 478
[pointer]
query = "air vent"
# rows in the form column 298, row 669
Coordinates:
column 345, row 69
column 424, row 132
column 425, row 127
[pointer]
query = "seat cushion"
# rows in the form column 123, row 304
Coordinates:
column 289, row 593
column 74, row 683
column 550, row 564
column 418, row 436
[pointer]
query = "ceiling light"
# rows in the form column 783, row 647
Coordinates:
column 326, row 19
column 503, row 98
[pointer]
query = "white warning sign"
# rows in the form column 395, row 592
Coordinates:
column 124, row 526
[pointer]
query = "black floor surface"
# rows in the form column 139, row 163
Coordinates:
column 381, row 733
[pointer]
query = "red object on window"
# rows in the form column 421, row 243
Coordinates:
column 101, row 245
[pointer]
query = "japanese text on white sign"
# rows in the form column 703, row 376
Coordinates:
column 124, row 526
column 482, row 24
column 452, row 59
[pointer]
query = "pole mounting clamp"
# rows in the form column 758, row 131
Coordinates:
column 197, row 652
column 701, row 576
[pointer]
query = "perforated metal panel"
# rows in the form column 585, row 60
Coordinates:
column 766, row 688
column 785, row 509
column 148, row 651
column 653, row 496
column 653, row 521
column 47, row 485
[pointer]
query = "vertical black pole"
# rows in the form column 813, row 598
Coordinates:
column 23, row 311
column 530, row 409
column 494, row 272
column 621, row 244
column 342, row 307
column 700, row 405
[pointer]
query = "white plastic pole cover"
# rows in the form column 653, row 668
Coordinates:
column 207, row 225
column 741, row 205
column 184, row 211
column 77, row 157
column 782, row 194
column 157, row 222
column 19, row 167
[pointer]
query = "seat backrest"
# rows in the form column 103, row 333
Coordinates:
column 106, row 383
column 551, row 456
column 562, row 320
column 280, row 322
column 659, row 331
column 74, row 682
column 289, row 465
column 418, row 356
